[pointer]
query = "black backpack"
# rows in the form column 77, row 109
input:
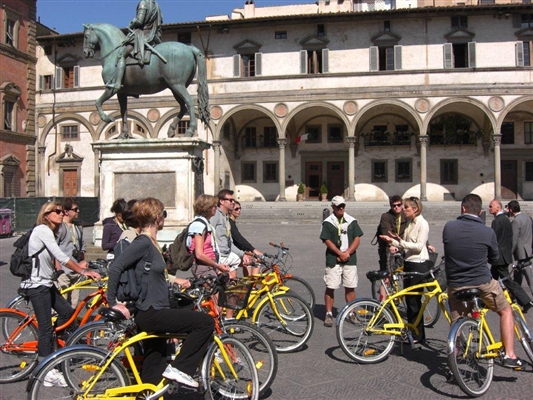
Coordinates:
column 180, row 256
column 129, row 289
column 21, row 263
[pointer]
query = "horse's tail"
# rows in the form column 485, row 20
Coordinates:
column 203, row 90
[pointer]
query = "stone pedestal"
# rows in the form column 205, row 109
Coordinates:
column 168, row 169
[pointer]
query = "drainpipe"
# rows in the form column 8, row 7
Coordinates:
column 53, row 112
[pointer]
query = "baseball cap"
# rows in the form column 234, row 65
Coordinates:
column 337, row 201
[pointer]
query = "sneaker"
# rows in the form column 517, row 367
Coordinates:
column 54, row 378
column 352, row 318
column 328, row 321
column 515, row 363
column 178, row 376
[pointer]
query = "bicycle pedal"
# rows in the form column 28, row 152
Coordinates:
column 173, row 387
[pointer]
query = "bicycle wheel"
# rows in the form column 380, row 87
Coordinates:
column 524, row 334
column 20, row 303
column 79, row 365
column 294, row 328
column 432, row 311
column 466, row 342
column 217, row 378
column 18, row 352
column 357, row 329
column 300, row 287
column 95, row 334
column 260, row 347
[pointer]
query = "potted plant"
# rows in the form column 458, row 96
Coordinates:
column 324, row 192
column 301, row 191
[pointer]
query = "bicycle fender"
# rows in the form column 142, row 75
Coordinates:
column 13, row 301
column 453, row 331
column 266, row 299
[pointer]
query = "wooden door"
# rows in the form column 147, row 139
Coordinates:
column 313, row 179
column 70, row 182
column 509, row 179
column 335, row 178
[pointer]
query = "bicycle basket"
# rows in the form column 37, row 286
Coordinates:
column 235, row 296
column 440, row 275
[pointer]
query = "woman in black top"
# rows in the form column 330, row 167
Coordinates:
column 238, row 240
column 154, row 313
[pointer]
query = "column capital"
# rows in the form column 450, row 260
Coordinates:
column 217, row 144
column 351, row 140
column 282, row 143
column 497, row 138
column 423, row 139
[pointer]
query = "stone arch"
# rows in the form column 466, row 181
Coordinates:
column 232, row 112
column 512, row 106
column 132, row 115
column 65, row 117
column 290, row 118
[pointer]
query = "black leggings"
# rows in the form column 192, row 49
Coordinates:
column 414, row 303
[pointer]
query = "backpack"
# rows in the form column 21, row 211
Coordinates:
column 21, row 263
column 180, row 256
column 129, row 289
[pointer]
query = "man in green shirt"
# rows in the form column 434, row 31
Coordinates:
column 341, row 235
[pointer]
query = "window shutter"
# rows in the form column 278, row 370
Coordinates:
column 236, row 66
column 517, row 21
column 41, row 82
column 519, row 50
column 76, row 76
column 303, row 61
column 325, row 61
column 448, row 56
column 397, row 58
column 374, row 62
column 472, row 54
column 258, row 57
column 59, row 78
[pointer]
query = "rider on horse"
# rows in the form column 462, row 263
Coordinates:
column 145, row 31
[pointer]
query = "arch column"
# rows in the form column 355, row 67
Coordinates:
column 497, row 138
column 423, row 166
column 216, row 166
column 351, row 167
column 282, row 143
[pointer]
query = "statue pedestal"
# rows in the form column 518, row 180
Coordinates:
column 170, row 170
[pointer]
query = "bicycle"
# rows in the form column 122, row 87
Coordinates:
column 227, row 371
column 284, row 316
column 472, row 348
column 367, row 329
column 18, row 343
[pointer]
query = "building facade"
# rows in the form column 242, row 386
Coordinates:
column 370, row 99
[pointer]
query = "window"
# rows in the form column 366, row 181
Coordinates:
column 335, row 134
column 315, row 134
column 459, row 22
column 528, row 132
column 321, row 30
column 250, row 137
column 9, row 116
column 529, row 171
column 11, row 26
column 270, row 138
column 314, row 61
column 11, row 180
column 508, row 133
column 185, row 37
column 248, row 171
column 247, row 65
column 448, row 172
column 181, row 129
column 69, row 132
column 526, row 20
column 10, row 34
column 385, row 58
column 523, row 54
column 386, row 26
column 379, row 171
column 68, row 77
column 403, row 171
column 270, row 172
column 460, row 55
column 46, row 82
column 280, row 35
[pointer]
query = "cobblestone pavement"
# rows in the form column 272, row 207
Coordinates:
column 321, row 370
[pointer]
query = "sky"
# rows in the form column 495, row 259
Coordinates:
column 67, row 16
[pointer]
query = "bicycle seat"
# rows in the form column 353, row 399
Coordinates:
column 111, row 314
column 377, row 275
column 467, row 294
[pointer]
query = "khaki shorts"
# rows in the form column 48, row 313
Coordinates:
column 337, row 274
column 491, row 294
column 232, row 260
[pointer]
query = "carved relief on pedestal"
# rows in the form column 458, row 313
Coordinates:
column 422, row 105
column 281, row 110
column 350, row 107
column 496, row 104
column 153, row 115
column 216, row 112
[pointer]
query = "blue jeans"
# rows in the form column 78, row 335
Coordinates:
column 43, row 299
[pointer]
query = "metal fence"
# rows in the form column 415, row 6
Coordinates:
column 26, row 210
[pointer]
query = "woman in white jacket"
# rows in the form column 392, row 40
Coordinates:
column 413, row 242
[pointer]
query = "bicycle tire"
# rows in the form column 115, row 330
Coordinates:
column 20, row 303
column 524, row 334
column 356, row 338
column 297, row 326
column 432, row 312
column 260, row 347
column 16, row 362
column 73, row 362
column 473, row 374
column 300, row 287
column 217, row 379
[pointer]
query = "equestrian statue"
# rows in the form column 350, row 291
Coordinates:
column 139, row 63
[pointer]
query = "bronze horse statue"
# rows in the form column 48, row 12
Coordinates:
column 176, row 74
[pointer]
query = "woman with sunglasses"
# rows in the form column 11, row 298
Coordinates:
column 413, row 242
column 40, row 288
column 240, row 241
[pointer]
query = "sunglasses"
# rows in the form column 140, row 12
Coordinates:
column 57, row 211
column 165, row 213
column 237, row 209
column 413, row 198
column 341, row 206
column 231, row 200
column 77, row 209
column 397, row 205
